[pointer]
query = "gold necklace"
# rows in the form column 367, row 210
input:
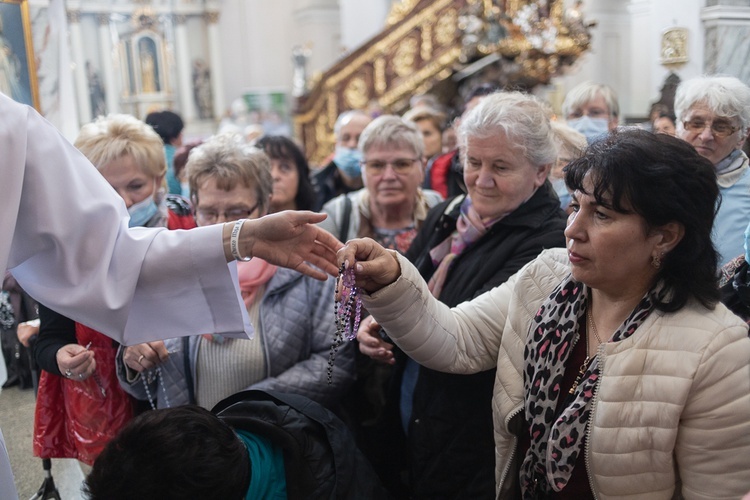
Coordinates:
column 590, row 317
column 582, row 369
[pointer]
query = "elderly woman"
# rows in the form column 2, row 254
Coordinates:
column 618, row 374
column 592, row 109
column 570, row 144
column 468, row 245
column 292, row 189
column 392, row 206
column 390, row 209
column 713, row 114
column 292, row 313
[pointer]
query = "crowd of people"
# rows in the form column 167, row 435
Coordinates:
column 551, row 306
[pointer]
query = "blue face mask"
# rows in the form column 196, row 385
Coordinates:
column 347, row 160
column 562, row 192
column 141, row 212
column 592, row 128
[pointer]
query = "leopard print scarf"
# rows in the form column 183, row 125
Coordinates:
column 556, row 440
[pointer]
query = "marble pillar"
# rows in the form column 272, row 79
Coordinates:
column 79, row 65
column 184, row 74
column 727, row 38
column 108, row 64
column 214, row 54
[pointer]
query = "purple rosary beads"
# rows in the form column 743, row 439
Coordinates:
column 348, row 302
column 347, row 309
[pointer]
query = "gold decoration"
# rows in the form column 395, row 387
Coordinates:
column 385, row 44
column 403, row 58
column 425, row 43
column 399, row 10
column 355, row 93
column 426, row 50
column 674, row 46
column 380, row 85
column 445, row 30
column 333, row 109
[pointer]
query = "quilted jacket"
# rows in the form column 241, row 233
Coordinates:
column 671, row 414
column 296, row 327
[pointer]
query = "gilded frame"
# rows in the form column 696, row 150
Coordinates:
column 18, row 77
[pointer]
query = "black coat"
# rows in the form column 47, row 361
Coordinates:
column 451, row 443
column 321, row 460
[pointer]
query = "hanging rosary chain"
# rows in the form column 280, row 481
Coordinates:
column 347, row 310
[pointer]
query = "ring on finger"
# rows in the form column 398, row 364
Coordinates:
column 141, row 358
column 68, row 373
column 80, row 376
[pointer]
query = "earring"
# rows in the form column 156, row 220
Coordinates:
column 656, row 260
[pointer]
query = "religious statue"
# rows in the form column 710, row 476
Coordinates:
column 148, row 73
column 96, row 91
column 202, row 89
column 300, row 55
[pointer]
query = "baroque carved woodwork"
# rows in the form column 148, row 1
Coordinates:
column 429, row 41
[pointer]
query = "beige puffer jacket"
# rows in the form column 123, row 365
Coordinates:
column 671, row 415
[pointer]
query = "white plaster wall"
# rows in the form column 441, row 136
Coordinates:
column 361, row 20
column 257, row 39
column 252, row 34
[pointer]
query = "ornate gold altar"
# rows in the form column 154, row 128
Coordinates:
column 426, row 42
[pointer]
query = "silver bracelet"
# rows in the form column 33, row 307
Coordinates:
column 234, row 243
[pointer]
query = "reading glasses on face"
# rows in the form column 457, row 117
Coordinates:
column 400, row 165
column 210, row 216
column 718, row 128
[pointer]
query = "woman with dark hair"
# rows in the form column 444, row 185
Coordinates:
column 292, row 189
column 618, row 372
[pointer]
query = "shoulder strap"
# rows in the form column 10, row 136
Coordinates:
column 344, row 229
column 188, row 371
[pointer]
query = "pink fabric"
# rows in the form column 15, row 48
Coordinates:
column 469, row 228
column 253, row 275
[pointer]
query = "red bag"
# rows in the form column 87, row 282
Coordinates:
column 74, row 419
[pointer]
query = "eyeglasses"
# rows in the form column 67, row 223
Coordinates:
column 400, row 165
column 719, row 128
column 210, row 216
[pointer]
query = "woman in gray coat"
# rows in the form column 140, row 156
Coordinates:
column 292, row 314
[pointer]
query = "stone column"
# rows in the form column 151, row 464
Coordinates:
column 214, row 54
column 79, row 65
column 727, row 29
column 108, row 64
column 184, row 69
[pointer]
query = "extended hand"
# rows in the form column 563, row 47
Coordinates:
column 375, row 266
column 370, row 343
column 291, row 239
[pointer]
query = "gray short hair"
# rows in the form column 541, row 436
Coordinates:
column 389, row 131
column 231, row 161
column 587, row 91
column 345, row 117
column 724, row 95
column 523, row 118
